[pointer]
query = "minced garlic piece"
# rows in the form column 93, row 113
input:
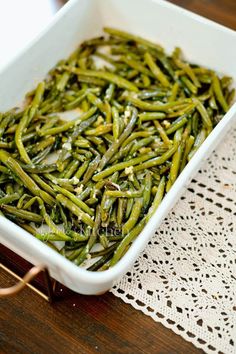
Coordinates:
column 129, row 170
column 166, row 123
column 67, row 146
column 127, row 116
column 79, row 189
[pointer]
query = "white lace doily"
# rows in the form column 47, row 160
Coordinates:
column 186, row 277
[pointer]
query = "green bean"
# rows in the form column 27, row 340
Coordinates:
column 110, row 91
column 165, row 62
column 188, row 146
column 129, row 238
column 96, row 101
column 18, row 137
column 92, row 167
column 141, row 143
column 107, row 109
column 45, row 186
column 20, row 203
column 104, row 251
column 205, row 117
column 39, row 168
column 91, row 80
column 180, row 122
column 100, row 130
column 129, row 36
column 9, row 188
column 26, row 119
column 68, row 183
column 68, row 125
column 43, row 144
column 116, row 123
column 101, row 262
column 5, row 170
column 174, row 92
column 97, row 188
column 212, row 101
column 85, row 142
column 104, row 241
column 162, row 133
column 195, row 123
column 178, row 136
column 136, row 65
column 51, row 237
column 226, row 81
column 4, row 123
column 175, row 166
column 152, row 94
column 87, row 119
column 28, row 182
column 92, row 239
column 71, row 169
column 157, row 199
column 156, row 161
column 76, row 102
column 74, row 199
column 9, row 198
column 191, row 87
column 22, row 214
column 47, row 218
column 183, row 109
column 134, row 216
column 135, row 135
column 124, row 151
column 147, row 190
column 85, row 152
column 230, row 96
column 106, row 201
column 151, row 116
column 109, row 60
column 219, row 94
column 121, row 166
column 124, row 194
column 37, row 100
column 41, row 156
column 59, row 129
column 162, row 107
column 115, row 146
column 110, row 77
column 122, row 202
column 156, row 70
column 146, row 80
column 188, row 70
column 4, row 145
column 85, row 193
column 100, row 41
column 198, row 142
column 63, row 81
column 74, row 254
column 76, row 236
column 67, row 203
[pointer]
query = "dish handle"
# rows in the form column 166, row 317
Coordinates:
column 25, row 281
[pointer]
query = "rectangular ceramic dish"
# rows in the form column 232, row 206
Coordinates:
column 203, row 42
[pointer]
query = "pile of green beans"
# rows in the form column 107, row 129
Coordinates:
column 139, row 116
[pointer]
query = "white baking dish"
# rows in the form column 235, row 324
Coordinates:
column 202, row 41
